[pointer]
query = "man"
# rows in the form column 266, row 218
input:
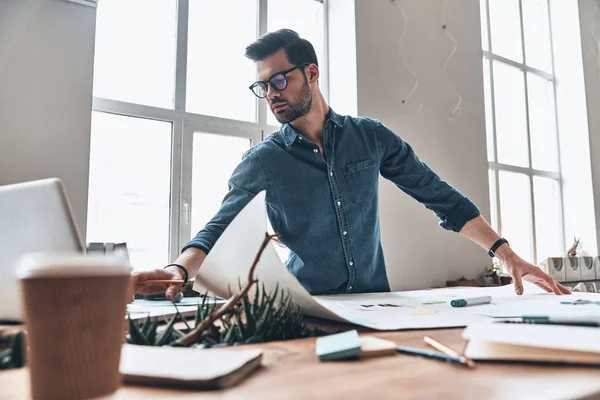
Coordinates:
column 321, row 172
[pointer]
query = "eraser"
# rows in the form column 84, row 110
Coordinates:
column 341, row 346
column 371, row 346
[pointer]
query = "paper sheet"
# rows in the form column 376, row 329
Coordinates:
column 232, row 255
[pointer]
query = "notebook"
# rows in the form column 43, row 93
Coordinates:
column 187, row 368
column 531, row 343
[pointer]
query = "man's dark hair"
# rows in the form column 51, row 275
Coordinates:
column 298, row 50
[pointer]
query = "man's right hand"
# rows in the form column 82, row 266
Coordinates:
column 157, row 274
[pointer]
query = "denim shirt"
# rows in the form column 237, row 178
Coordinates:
column 326, row 208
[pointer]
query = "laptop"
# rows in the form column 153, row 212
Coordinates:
column 37, row 216
column 34, row 216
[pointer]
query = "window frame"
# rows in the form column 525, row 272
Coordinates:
column 493, row 165
column 184, row 123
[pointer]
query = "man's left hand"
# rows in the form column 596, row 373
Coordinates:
column 520, row 269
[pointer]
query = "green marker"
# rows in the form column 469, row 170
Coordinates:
column 473, row 301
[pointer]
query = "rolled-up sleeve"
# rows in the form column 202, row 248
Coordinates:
column 400, row 164
column 247, row 180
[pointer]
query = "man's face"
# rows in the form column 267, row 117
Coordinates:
column 296, row 99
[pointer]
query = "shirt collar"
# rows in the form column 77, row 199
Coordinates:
column 289, row 134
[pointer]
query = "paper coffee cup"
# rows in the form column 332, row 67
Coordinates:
column 75, row 320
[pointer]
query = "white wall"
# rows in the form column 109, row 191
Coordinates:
column 46, row 64
column 418, row 252
column 573, row 126
column 589, row 20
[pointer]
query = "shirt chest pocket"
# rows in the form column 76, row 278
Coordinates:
column 361, row 178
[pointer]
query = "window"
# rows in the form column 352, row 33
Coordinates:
column 173, row 114
column 522, row 136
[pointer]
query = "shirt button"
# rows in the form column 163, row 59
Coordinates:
column 344, row 233
column 316, row 150
column 351, row 263
column 350, row 288
column 339, row 203
column 331, row 174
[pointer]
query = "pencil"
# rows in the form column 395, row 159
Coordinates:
column 161, row 282
column 448, row 351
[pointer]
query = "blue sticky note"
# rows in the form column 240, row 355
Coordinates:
column 341, row 346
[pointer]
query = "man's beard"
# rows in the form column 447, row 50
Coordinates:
column 296, row 109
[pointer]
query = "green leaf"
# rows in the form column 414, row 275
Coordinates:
column 250, row 322
column 151, row 336
column 18, row 349
column 166, row 334
column 255, row 304
column 146, row 327
column 182, row 318
column 240, row 325
column 229, row 337
column 199, row 316
column 137, row 337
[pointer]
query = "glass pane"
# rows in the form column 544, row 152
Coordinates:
column 515, row 212
column 511, row 124
column 484, row 25
column 537, row 34
column 218, row 74
column 542, row 123
column 135, row 51
column 489, row 119
column 506, row 29
column 547, row 218
column 214, row 159
column 130, row 186
column 302, row 16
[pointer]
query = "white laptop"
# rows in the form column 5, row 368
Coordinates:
column 34, row 216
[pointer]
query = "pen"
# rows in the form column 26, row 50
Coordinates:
column 471, row 302
column 412, row 351
column 467, row 362
column 562, row 320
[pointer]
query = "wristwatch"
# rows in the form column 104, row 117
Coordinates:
column 499, row 242
column 181, row 267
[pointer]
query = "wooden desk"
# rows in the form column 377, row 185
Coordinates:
column 292, row 371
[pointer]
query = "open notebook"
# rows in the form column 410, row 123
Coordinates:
column 530, row 343
column 187, row 368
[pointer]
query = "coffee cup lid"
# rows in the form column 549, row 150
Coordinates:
column 70, row 265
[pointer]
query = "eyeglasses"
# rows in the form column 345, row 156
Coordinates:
column 278, row 81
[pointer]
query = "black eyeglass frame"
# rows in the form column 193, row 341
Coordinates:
column 268, row 81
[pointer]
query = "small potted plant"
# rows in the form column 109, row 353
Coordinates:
column 493, row 275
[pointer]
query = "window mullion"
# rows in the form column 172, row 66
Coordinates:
column 325, row 61
column 176, row 194
column 498, row 213
column 183, row 9
column 533, row 232
column 556, row 136
column 263, row 13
